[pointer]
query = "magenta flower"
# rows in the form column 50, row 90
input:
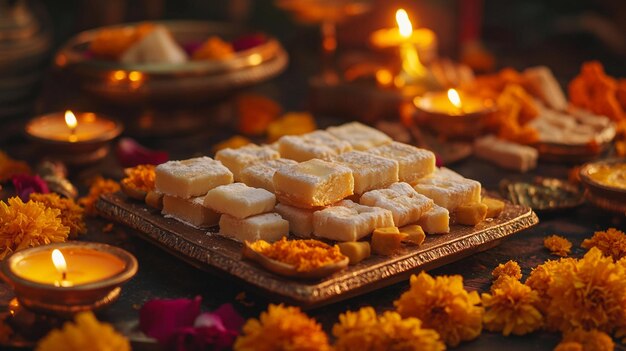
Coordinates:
column 178, row 324
column 248, row 42
column 26, row 184
column 130, row 154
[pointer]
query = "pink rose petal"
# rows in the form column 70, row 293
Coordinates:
column 130, row 154
column 26, row 184
column 248, row 42
column 162, row 319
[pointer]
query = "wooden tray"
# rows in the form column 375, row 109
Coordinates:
column 214, row 253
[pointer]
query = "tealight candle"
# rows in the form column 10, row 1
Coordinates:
column 65, row 278
column 75, row 138
column 453, row 113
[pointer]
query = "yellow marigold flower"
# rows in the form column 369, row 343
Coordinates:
column 30, row 224
column 611, row 242
column 511, row 308
column 579, row 339
column 363, row 330
column 86, row 333
column 557, row 245
column 511, row 269
column 98, row 187
column 282, row 328
column 442, row 303
column 72, row 215
column 589, row 294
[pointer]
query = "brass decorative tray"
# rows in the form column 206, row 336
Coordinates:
column 214, row 253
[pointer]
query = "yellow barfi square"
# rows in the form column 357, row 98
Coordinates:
column 313, row 183
column 356, row 251
column 318, row 144
column 415, row 163
column 494, row 207
column 237, row 159
column 268, row 226
column 360, row 136
column 414, row 234
column 386, row 241
column 406, row 205
column 369, row 171
column 471, row 213
column 239, row 200
column 260, row 174
column 192, row 177
column 348, row 221
column 189, row 211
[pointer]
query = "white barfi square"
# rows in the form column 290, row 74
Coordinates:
column 300, row 219
column 506, row 154
column 360, row 136
column 348, row 221
column 317, row 144
column 268, row 226
column 237, row 159
column 313, row 183
column 406, row 205
column 260, row 174
column 189, row 211
column 449, row 189
column 239, row 200
column 369, row 171
column 192, row 177
column 415, row 163
column 435, row 221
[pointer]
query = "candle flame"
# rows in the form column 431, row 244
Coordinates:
column 454, row 98
column 59, row 261
column 70, row 119
column 404, row 24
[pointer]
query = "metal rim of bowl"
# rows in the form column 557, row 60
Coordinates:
column 594, row 185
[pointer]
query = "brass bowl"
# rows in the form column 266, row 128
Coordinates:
column 193, row 81
column 67, row 301
column 608, row 197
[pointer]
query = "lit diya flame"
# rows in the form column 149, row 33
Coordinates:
column 71, row 122
column 59, row 263
column 455, row 99
column 404, row 24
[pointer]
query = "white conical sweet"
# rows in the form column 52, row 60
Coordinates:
column 156, row 47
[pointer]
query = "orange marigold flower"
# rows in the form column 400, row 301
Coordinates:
column 443, row 304
column 98, row 187
column 511, row 269
column 86, row 333
column 364, row 330
column 588, row 294
column 305, row 255
column 611, row 242
column 72, row 215
column 10, row 167
column 557, row 245
column 30, row 224
column 579, row 339
column 282, row 328
column 511, row 308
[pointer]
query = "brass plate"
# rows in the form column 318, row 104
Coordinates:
column 214, row 253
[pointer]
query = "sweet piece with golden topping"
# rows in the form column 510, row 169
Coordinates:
column 236, row 160
column 406, row 205
column 300, row 219
column 449, row 189
column 414, row 163
column 435, row 221
column 189, row 211
column 268, row 226
column 192, row 177
column 313, row 183
column 471, row 213
column 360, row 136
column 260, row 174
column 356, row 251
column 348, row 221
column 369, row 171
column 317, row 144
column 239, row 200
column 387, row 241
